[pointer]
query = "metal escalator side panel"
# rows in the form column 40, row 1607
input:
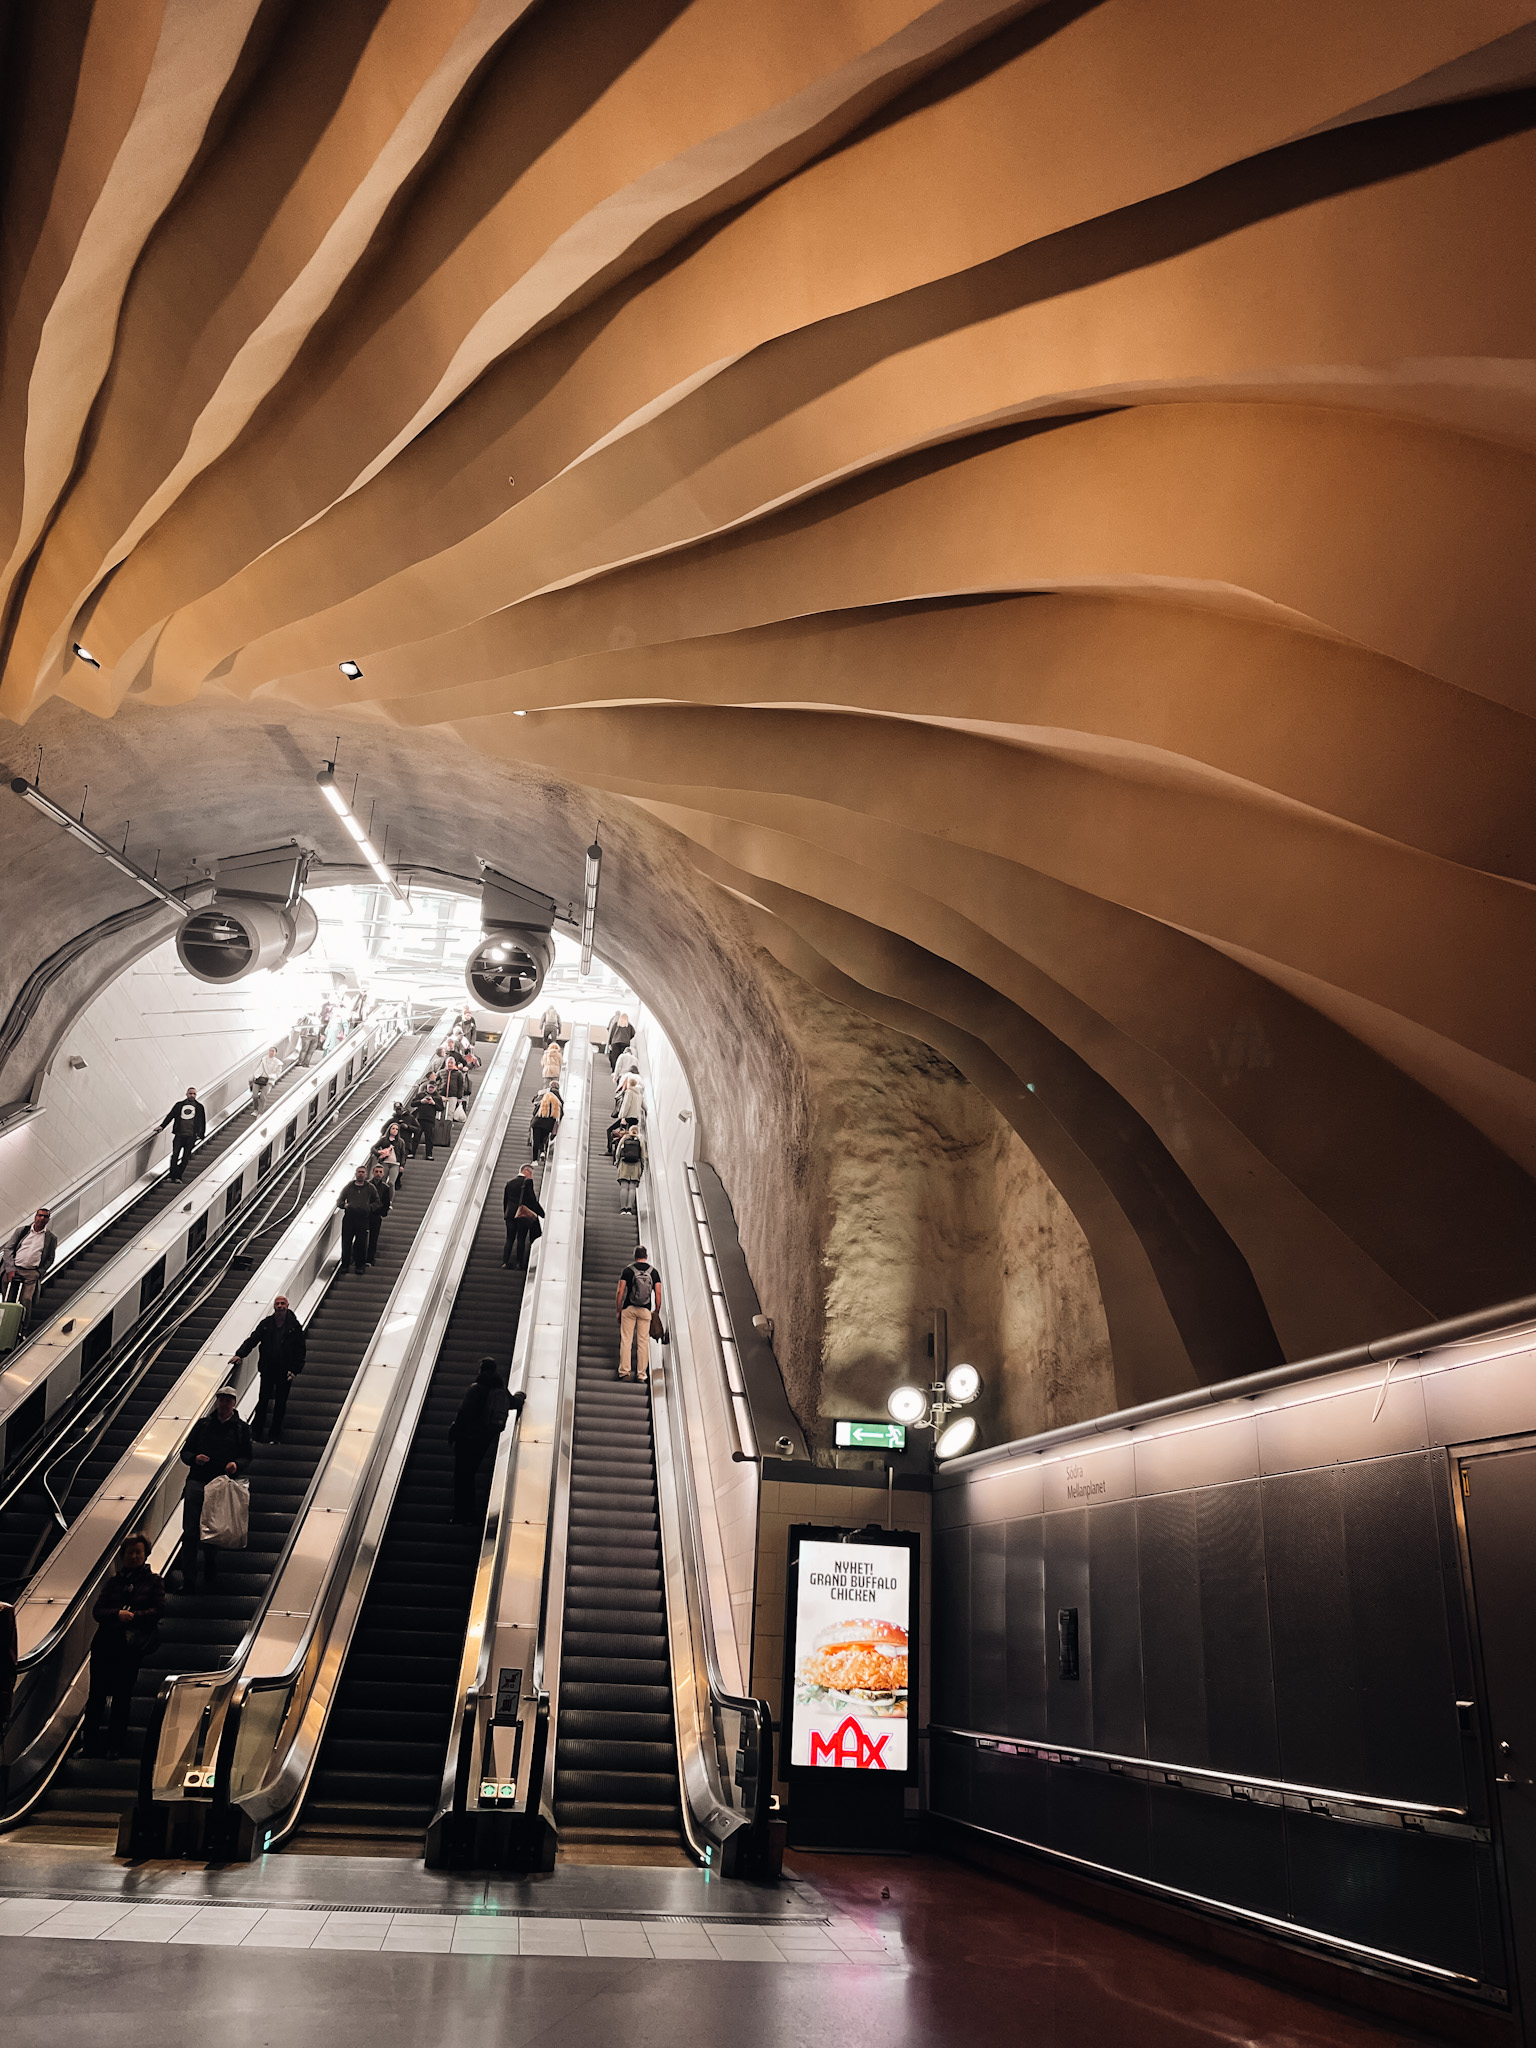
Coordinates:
column 54, row 1356
column 502, row 1628
column 317, row 1594
column 143, row 1489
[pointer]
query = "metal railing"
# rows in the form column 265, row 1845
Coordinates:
column 475, row 1789
column 139, row 1495
column 246, row 1740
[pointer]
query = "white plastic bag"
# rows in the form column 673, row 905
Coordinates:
column 226, row 1517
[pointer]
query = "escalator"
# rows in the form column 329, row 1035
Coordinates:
column 27, row 1518
column 203, row 1629
column 65, row 1282
column 616, row 1784
column 381, row 1759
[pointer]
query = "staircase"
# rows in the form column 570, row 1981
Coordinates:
column 616, row 1787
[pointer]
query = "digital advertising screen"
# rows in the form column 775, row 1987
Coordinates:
column 849, row 1650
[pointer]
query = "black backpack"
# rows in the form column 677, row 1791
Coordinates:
column 630, row 1151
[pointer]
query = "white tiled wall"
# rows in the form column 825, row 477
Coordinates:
column 150, row 1034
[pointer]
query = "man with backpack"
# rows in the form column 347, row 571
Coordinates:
column 630, row 1161
column 481, row 1418
column 639, row 1294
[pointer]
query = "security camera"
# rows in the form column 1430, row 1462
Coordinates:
column 784, row 1445
column 763, row 1326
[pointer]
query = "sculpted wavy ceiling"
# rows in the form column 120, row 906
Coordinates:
column 1039, row 498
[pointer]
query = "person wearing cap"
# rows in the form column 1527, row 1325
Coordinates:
column 481, row 1418
column 281, row 1360
column 219, row 1443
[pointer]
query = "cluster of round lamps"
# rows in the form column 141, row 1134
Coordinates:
column 929, row 1408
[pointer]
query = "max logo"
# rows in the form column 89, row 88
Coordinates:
column 862, row 1755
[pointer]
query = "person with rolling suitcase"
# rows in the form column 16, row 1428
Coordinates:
column 24, row 1261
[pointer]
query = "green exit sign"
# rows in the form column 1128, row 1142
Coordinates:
column 871, row 1436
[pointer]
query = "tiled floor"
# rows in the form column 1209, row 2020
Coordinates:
column 840, row 1940
column 912, row 1952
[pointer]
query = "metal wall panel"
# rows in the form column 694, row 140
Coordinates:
column 1068, row 1702
column 1409, row 1894
column 1026, row 1628
column 1172, row 1646
column 1219, row 1848
column 951, row 1610
column 1408, row 1694
column 1317, row 1679
column 988, row 1645
column 1119, row 1712
column 1239, row 1677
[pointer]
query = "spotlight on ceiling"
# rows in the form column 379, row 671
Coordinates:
column 84, row 654
column 957, row 1438
column 351, row 671
column 962, row 1383
column 907, row 1404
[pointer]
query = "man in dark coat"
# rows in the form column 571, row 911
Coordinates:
column 218, row 1444
column 283, row 1350
column 520, row 1193
column 189, row 1126
column 429, row 1107
column 481, row 1418
column 408, row 1126
column 357, row 1202
column 127, row 1615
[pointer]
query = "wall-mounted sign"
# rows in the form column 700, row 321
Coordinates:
column 871, row 1436
column 850, row 1657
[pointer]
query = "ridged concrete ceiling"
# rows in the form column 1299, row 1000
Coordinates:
column 1039, row 498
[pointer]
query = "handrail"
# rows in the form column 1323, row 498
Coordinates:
column 99, row 1386
column 230, row 1671
column 69, row 1623
column 476, row 1687
column 84, row 1228
column 547, row 1643
column 349, row 1565
column 53, row 1354
column 709, row 1813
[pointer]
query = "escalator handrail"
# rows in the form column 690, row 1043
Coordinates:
column 485, row 1599
column 150, row 1328
column 69, row 1621
column 344, row 1560
column 84, row 1393
column 230, row 1671
column 548, row 1641
column 675, row 1398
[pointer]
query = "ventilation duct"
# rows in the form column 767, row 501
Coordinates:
column 258, row 920
column 506, row 970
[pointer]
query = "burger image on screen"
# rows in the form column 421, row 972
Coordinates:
column 858, row 1662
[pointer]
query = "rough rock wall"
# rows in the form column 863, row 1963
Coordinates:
column 918, row 1196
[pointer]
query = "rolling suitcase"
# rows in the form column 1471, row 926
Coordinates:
column 12, row 1314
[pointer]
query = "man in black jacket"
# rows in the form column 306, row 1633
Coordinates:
column 481, row 1418
column 409, row 1128
column 520, row 1193
column 283, row 1350
column 127, row 1615
column 429, row 1107
column 189, row 1126
column 357, row 1202
column 219, row 1443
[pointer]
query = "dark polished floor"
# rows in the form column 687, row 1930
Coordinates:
column 973, row 1961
